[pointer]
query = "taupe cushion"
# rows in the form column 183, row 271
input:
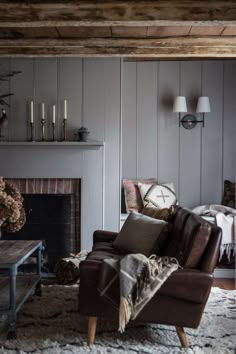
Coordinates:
column 165, row 214
column 141, row 234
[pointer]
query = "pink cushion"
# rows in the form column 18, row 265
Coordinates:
column 133, row 200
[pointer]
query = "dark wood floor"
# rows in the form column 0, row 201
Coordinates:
column 223, row 283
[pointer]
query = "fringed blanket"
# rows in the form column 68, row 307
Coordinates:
column 139, row 279
column 224, row 217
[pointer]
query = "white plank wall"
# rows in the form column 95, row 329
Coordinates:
column 196, row 160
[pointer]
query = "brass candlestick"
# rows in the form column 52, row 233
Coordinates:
column 43, row 128
column 64, row 129
column 31, row 131
column 53, row 131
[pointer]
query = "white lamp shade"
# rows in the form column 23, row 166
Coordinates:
column 180, row 104
column 203, row 105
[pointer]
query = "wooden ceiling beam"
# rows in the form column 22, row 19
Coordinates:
column 188, row 47
column 120, row 13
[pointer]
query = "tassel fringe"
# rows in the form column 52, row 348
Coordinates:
column 125, row 313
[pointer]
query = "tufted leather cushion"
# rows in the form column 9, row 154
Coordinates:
column 180, row 218
column 196, row 239
column 193, row 241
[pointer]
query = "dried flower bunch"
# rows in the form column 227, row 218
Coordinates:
column 12, row 213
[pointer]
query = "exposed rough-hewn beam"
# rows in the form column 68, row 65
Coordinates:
column 188, row 47
column 102, row 13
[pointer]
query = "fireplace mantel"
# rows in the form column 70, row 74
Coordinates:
column 89, row 145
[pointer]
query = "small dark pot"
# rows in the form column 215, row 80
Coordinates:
column 83, row 136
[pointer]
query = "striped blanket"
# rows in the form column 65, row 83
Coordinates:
column 138, row 278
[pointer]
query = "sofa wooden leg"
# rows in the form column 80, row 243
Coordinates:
column 92, row 322
column 182, row 336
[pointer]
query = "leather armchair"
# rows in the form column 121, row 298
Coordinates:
column 181, row 299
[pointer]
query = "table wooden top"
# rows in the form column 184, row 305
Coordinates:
column 14, row 251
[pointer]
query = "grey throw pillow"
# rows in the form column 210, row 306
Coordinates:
column 141, row 234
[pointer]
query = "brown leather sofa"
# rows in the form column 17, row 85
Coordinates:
column 181, row 299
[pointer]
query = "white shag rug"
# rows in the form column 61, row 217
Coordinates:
column 52, row 325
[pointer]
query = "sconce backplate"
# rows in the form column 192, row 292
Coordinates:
column 189, row 121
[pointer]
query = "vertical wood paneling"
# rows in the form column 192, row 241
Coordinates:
column 112, row 144
column 190, row 140
column 22, row 85
column 94, row 98
column 5, row 87
column 196, row 160
column 212, row 86
column 69, row 88
column 129, row 121
column 229, row 137
column 146, row 119
column 45, row 91
column 168, row 130
column 91, row 196
column 93, row 163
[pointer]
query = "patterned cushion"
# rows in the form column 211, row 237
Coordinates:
column 158, row 195
column 133, row 200
column 229, row 197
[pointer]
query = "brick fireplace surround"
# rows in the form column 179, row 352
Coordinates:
column 56, row 186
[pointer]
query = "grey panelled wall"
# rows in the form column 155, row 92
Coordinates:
column 92, row 88
column 196, row 160
column 152, row 145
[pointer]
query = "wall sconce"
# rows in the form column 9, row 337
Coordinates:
column 189, row 121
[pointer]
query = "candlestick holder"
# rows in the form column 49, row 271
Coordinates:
column 31, row 131
column 64, row 129
column 43, row 129
column 53, row 131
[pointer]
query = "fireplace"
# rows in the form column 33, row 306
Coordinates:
column 52, row 214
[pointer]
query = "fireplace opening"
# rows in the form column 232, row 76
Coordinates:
column 51, row 218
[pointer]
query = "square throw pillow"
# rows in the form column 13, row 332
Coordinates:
column 229, row 197
column 158, row 195
column 141, row 234
column 133, row 200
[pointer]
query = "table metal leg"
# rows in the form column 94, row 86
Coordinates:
column 12, row 316
column 38, row 290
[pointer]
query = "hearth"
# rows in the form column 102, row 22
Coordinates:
column 52, row 214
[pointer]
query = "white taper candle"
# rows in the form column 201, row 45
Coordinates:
column 43, row 115
column 65, row 109
column 31, row 111
column 54, row 113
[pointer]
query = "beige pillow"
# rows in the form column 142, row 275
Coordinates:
column 141, row 234
column 158, row 195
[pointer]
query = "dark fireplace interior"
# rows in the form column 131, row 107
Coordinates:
column 51, row 218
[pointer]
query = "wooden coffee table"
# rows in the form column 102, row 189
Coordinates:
column 16, row 288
